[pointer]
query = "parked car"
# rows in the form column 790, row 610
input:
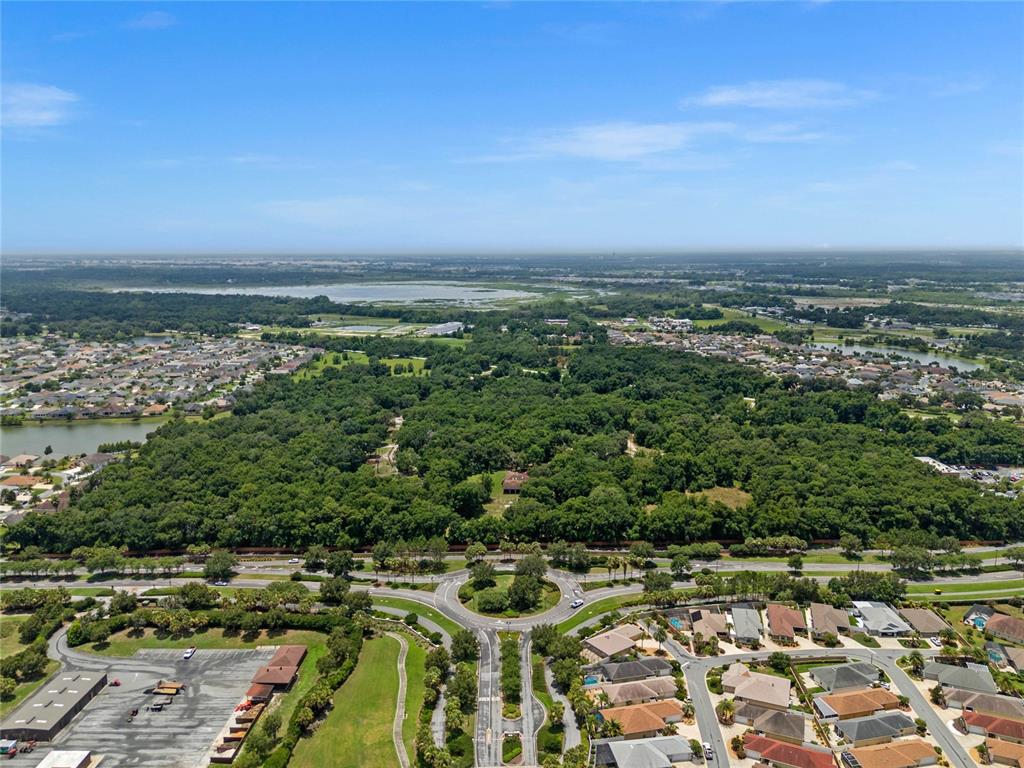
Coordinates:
column 576, row 603
column 189, row 653
column 709, row 753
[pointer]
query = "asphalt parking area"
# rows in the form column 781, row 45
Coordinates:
column 178, row 737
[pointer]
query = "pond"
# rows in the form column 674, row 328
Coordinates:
column 69, row 438
column 862, row 350
column 394, row 293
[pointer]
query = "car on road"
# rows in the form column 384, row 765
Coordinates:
column 294, row 561
column 189, row 653
column 576, row 603
column 220, row 583
column 709, row 754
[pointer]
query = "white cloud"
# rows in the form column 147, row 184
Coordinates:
column 152, row 20
column 611, row 141
column 898, row 165
column 1007, row 148
column 781, row 94
column 254, row 159
column 782, row 133
column 31, row 105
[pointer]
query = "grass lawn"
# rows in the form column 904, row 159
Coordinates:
column 125, row 644
column 357, row 730
column 733, row 498
column 499, row 500
column 866, row 640
column 420, row 609
column 1009, row 585
column 90, row 591
column 23, row 691
column 415, row 665
column 595, row 608
column 317, row 367
column 10, row 642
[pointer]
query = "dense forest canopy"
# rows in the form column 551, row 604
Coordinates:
column 289, row 468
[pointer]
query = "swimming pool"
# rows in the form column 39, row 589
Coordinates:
column 589, row 680
column 676, row 623
column 979, row 622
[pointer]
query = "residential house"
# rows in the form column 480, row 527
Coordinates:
column 708, row 623
column 1006, row 628
column 657, row 752
column 756, row 687
column 924, row 621
column 837, row 678
column 781, row 753
column 640, row 669
column 880, row 620
column 774, row 723
column 828, row 620
column 635, row 692
column 1015, row 656
column 971, row 677
column 906, row 753
column 877, row 729
column 846, row 706
column 746, row 624
column 785, row 622
column 994, row 727
column 613, row 642
column 1005, row 752
column 642, row 721
column 986, row 703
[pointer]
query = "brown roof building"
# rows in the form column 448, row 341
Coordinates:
column 827, row 620
column 280, row 677
column 1005, row 752
column 906, row 753
column 856, row 703
column 995, row 727
column 925, row 622
column 785, row 754
column 288, row 656
column 644, row 720
column 513, row 482
column 784, row 622
column 1006, row 627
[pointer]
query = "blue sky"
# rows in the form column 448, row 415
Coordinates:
column 508, row 126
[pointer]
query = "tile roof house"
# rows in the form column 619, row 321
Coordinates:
column 906, row 753
column 845, row 706
column 994, row 727
column 708, row 623
column 784, row 754
column 614, row 641
column 288, row 656
column 784, row 622
column 657, row 752
column 986, row 703
column 644, row 720
column 513, row 482
column 756, row 687
column 1016, row 658
column 277, row 676
column 1006, row 627
column 775, row 723
column 880, row 620
column 635, row 692
column 837, row 678
column 828, row 620
column 925, row 622
column 640, row 669
column 747, row 627
column 1005, row 752
column 972, row 677
column 877, row 729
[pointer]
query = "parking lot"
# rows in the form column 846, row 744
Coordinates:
column 177, row 737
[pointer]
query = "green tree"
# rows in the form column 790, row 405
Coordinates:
column 220, row 565
column 316, row 557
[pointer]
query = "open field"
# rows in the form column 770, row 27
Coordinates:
column 1009, row 586
column 764, row 323
column 126, row 643
column 410, row 365
column 10, row 643
column 549, row 598
column 357, row 730
column 734, row 498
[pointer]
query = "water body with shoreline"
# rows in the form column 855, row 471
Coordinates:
column 863, row 350
column 70, row 438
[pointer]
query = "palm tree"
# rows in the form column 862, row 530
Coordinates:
column 916, row 662
column 688, row 711
column 726, row 710
column 612, row 564
column 660, row 635
column 611, row 728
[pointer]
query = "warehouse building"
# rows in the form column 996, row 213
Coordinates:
column 45, row 713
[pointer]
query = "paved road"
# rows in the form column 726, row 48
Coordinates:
column 571, row 732
column 396, row 727
column 489, row 724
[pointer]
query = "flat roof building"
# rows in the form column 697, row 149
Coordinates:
column 53, row 706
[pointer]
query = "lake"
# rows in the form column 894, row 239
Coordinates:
column 75, row 437
column 352, row 293
column 921, row 357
